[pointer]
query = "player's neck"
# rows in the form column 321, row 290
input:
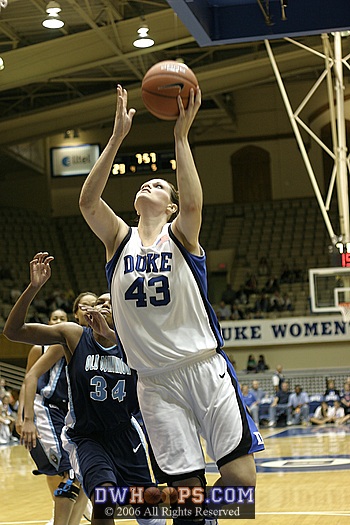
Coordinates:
column 149, row 228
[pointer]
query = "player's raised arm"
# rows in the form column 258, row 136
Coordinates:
column 187, row 225
column 100, row 217
column 16, row 329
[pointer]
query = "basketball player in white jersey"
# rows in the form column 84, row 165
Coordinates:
column 164, row 321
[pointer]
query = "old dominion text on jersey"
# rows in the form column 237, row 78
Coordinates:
column 106, row 363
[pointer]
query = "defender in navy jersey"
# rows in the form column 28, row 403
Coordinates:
column 44, row 394
column 105, row 443
column 163, row 317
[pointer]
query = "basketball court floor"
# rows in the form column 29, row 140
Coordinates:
column 303, row 479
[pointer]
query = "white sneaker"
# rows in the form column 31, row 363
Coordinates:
column 271, row 424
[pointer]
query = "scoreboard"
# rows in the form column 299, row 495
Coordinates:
column 144, row 162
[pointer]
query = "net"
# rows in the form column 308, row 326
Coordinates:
column 345, row 311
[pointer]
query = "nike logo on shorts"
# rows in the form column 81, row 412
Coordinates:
column 136, row 449
column 222, row 375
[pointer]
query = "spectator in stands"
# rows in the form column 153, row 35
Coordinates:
column 278, row 378
column 3, row 389
column 259, row 394
column 337, row 413
column 262, row 303
column 261, row 366
column 322, row 414
column 228, row 295
column 223, row 311
column 299, row 403
column 251, row 364
column 7, row 420
column 288, row 305
column 241, row 296
column 263, row 267
column 251, row 285
column 280, row 405
column 14, row 400
column 345, row 398
column 331, row 393
column 237, row 313
column 272, row 285
column 251, row 402
column 276, row 302
column 257, row 391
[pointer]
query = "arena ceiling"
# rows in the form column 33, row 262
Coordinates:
column 56, row 80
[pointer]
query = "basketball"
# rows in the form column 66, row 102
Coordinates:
column 161, row 86
column 169, row 495
column 152, row 495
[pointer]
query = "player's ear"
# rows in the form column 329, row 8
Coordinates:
column 172, row 207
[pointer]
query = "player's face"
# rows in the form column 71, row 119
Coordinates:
column 103, row 304
column 156, row 191
column 86, row 300
column 58, row 316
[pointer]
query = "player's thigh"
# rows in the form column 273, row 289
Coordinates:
column 172, row 429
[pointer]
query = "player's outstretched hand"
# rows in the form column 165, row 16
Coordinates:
column 123, row 117
column 40, row 270
column 186, row 117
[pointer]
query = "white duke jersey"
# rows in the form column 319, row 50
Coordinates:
column 161, row 310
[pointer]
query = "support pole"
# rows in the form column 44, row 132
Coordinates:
column 300, row 142
column 341, row 153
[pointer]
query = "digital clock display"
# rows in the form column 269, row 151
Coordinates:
column 144, row 162
column 344, row 251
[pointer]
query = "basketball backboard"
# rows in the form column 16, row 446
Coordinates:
column 329, row 289
column 215, row 22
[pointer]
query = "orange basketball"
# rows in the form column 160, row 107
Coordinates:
column 152, row 495
column 161, row 86
column 169, row 495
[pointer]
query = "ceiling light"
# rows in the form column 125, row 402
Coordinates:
column 53, row 20
column 2, row 65
column 143, row 40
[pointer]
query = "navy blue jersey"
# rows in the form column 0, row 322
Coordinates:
column 102, row 390
column 52, row 385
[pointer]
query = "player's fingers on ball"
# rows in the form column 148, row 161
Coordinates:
column 198, row 96
column 180, row 104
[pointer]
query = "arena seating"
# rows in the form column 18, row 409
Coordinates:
column 282, row 231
